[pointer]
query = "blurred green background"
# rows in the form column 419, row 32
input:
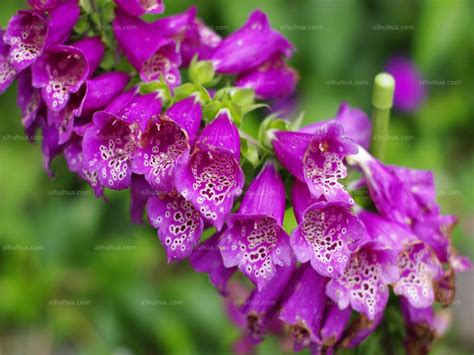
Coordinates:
column 77, row 278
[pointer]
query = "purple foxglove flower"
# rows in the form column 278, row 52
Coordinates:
column 110, row 143
column 151, row 53
column 141, row 7
column 359, row 329
column 49, row 145
column 327, row 232
column 409, row 90
column 333, row 324
column 140, row 191
column 200, row 40
column 364, row 282
column 355, row 122
column 303, row 307
column 250, row 46
column 262, row 306
column 255, row 240
column 178, row 223
column 370, row 270
column 207, row 258
column 48, row 4
column 63, row 69
column 30, row 32
column 273, row 78
column 95, row 94
column 423, row 326
column 419, row 268
column 317, row 159
column 390, row 194
column 167, row 143
column 29, row 100
column 213, row 178
column 7, row 71
column 74, row 159
column 176, row 26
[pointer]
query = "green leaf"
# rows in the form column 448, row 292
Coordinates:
column 249, row 151
column 86, row 6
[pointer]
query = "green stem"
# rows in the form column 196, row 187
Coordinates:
column 382, row 100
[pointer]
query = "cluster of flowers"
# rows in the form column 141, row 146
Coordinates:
column 177, row 147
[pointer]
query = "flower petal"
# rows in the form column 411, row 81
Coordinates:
column 326, row 237
column 179, row 224
column 303, row 309
column 140, row 191
column 207, row 258
column 257, row 245
column 141, row 7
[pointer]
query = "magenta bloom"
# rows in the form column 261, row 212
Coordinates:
column 94, row 95
column 148, row 49
column 30, row 32
column 273, row 78
column 213, row 178
column 167, row 142
column 200, row 40
column 140, row 192
column 327, row 233
column 261, row 307
column 63, row 69
column 29, row 100
column 333, row 324
column 355, row 122
column 249, row 47
column 7, row 71
column 178, row 223
column 75, row 162
column 303, row 307
column 255, row 240
column 207, row 258
column 409, row 90
column 317, row 159
column 141, row 7
column 110, row 143
column 419, row 268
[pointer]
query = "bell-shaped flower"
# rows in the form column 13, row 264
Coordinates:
column 419, row 269
column 364, row 283
column 29, row 33
column 75, row 162
column 63, row 69
column 355, row 122
column 178, row 223
column 409, row 90
column 212, row 178
column 140, row 192
column 327, row 232
column 7, row 71
column 250, row 46
column 95, row 94
column 199, row 40
column 360, row 329
column 333, row 324
column 207, row 258
column 141, row 7
column 317, row 158
column 148, row 49
column 303, row 306
column 261, row 307
column 166, row 143
column 110, row 143
column 423, row 327
column 255, row 240
column 271, row 79
column 28, row 99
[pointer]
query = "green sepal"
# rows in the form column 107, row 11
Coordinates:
column 159, row 87
column 249, row 151
column 201, row 72
column 270, row 124
column 189, row 89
